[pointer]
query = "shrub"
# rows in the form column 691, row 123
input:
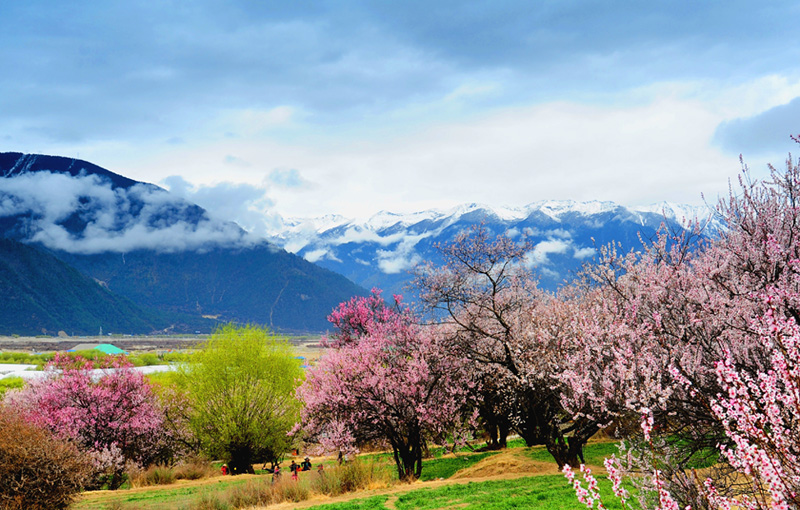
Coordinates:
column 145, row 359
column 37, row 470
column 356, row 475
column 194, row 468
column 153, row 475
column 295, row 491
column 10, row 383
column 209, row 502
column 251, row 494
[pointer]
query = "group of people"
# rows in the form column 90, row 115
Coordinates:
column 294, row 468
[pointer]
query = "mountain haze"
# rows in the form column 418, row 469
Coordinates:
column 159, row 250
column 164, row 253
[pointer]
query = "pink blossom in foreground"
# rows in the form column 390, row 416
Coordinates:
column 116, row 418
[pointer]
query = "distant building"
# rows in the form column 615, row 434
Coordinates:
column 106, row 348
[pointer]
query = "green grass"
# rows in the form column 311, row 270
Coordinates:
column 517, row 442
column 157, row 498
column 593, row 453
column 551, row 492
column 438, row 466
column 10, row 383
column 373, row 503
column 541, row 492
column 445, row 467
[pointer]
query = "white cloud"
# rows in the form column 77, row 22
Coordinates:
column 403, row 257
column 288, row 178
column 637, row 146
column 584, row 253
column 358, row 234
column 537, row 257
column 645, row 153
column 393, row 262
column 119, row 220
column 253, row 121
column 246, row 205
column 316, row 255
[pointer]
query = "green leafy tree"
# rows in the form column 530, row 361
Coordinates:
column 241, row 386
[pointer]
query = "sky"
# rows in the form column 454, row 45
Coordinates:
column 261, row 111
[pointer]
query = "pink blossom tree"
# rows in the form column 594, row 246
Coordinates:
column 113, row 416
column 385, row 379
column 702, row 336
column 511, row 332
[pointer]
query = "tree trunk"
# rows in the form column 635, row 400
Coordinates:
column 569, row 450
column 566, row 452
column 241, row 461
column 502, row 433
column 408, row 456
column 492, row 430
column 546, row 424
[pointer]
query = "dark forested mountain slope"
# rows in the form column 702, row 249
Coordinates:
column 43, row 295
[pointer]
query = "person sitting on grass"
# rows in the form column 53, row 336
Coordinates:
column 276, row 473
column 306, row 464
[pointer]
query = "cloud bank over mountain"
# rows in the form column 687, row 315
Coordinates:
column 86, row 214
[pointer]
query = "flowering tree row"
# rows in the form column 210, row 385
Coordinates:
column 698, row 335
column 703, row 339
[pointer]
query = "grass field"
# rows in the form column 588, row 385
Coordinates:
column 546, row 491
column 549, row 492
column 156, row 498
column 446, row 467
column 593, row 453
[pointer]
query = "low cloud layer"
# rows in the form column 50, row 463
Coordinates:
column 246, row 205
column 85, row 214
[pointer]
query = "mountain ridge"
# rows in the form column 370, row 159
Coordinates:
column 382, row 249
column 157, row 249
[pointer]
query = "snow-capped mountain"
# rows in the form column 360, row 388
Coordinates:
column 379, row 251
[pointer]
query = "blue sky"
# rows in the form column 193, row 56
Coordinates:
column 259, row 109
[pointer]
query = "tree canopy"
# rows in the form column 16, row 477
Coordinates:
column 241, row 385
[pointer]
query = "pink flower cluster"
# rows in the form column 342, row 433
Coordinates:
column 113, row 415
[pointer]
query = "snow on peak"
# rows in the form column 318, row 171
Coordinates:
column 386, row 219
column 555, row 209
column 681, row 213
column 316, row 225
